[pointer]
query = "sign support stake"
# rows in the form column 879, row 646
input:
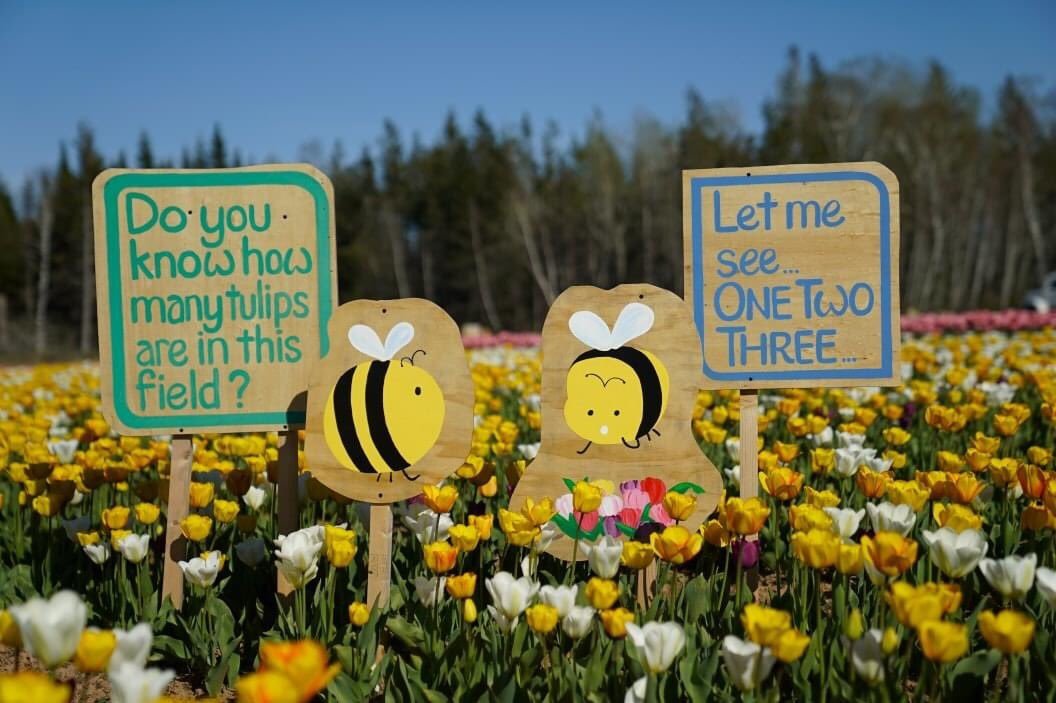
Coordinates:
column 379, row 557
column 286, row 493
column 181, row 456
column 749, row 452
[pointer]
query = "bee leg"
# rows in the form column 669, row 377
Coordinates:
column 584, row 449
column 378, row 478
column 656, row 431
column 409, row 477
column 637, row 443
column 390, row 477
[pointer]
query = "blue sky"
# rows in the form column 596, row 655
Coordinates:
column 276, row 75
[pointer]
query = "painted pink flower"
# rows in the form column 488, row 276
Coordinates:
column 563, row 505
column 630, row 517
column 590, row 520
column 635, row 499
column 658, row 514
column 610, row 505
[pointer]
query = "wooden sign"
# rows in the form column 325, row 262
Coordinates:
column 621, row 369
column 214, row 291
column 792, row 272
column 390, row 408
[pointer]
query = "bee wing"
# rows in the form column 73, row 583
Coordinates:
column 366, row 340
column 590, row 329
column 635, row 320
column 399, row 337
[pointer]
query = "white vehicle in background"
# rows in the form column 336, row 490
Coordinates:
column 1042, row 299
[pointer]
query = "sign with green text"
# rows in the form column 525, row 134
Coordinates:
column 792, row 272
column 214, row 290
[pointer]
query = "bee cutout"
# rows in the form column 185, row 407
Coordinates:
column 379, row 411
column 615, row 393
column 383, row 415
column 617, row 410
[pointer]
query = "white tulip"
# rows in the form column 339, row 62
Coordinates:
column 130, row 683
column 823, row 437
column 98, row 553
column 877, row 577
column 427, row 590
column 51, row 628
column 658, row 643
column 298, row 555
column 879, row 464
column 734, row 475
column 733, row 447
column 528, row 451
column 849, row 459
column 255, row 497
column 636, row 693
column 867, row 656
column 506, row 624
column 511, row 596
column 133, row 646
column 79, row 524
column 423, row 523
column 576, row 623
column 849, row 439
column 562, row 598
column 134, row 548
column 956, row 554
column 547, row 534
column 747, row 664
column 1046, row 580
column 64, row 450
column 845, row 521
column 604, row 556
column 1012, row 577
column 252, row 551
column 202, row 572
column 888, row 517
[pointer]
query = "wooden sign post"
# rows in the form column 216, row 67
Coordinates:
column 620, row 378
column 390, row 410
column 792, row 272
column 214, row 291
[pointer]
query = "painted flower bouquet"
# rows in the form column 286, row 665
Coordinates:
column 621, row 511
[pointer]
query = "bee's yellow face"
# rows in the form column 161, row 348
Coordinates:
column 414, row 409
column 603, row 400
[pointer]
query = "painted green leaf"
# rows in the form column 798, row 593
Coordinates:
column 569, row 484
column 687, row 486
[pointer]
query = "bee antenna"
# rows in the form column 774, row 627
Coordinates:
column 411, row 357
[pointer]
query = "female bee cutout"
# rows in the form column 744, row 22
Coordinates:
column 402, row 408
column 617, row 410
column 615, row 393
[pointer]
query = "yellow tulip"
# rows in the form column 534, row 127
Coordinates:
column 1009, row 631
column 636, row 555
column 358, row 613
column 542, row 618
column 715, row 534
column 818, row 549
column 490, row 488
column 896, row 436
column 676, row 544
column 790, row 645
column 538, row 513
column 49, row 504
column 889, row 552
column 764, row 625
column 614, row 622
column 821, row 499
column 781, row 482
column 851, row 559
column 786, row 452
column 909, row 493
column 201, row 494
column 116, row 518
column 586, row 497
column 440, row 557
column 943, row 642
column 956, row 517
column 601, row 593
column 440, row 499
column 266, row 687
column 94, row 650
column 746, row 517
column 483, row 523
column 32, row 687
column 912, row 606
column 804, row 516
column 679, row 506
column 196, row 527
column 854, row 627
column 464, row 537
column 225, row 511
column 872, row 484
column 461, row 586
column 147, row 513
column 1039, row 455
column 304, row 663
column 10, row 635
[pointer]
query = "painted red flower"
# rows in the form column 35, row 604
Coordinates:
column 655, row 488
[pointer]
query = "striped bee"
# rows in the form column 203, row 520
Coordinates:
column 385, row 414
column 615, row 393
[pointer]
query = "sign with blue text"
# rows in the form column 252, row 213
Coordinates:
column 792, row 272
column 214, row 290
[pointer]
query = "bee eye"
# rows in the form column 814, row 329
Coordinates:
column 590, row 412
column 417, row 390
column 615, row 412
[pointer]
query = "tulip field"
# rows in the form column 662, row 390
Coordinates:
column 901, row 548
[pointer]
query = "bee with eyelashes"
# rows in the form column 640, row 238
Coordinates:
column 615, row 393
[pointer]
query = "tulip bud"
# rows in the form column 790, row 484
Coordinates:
column 854, row 627
column 890, row 641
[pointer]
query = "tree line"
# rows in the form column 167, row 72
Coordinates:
column 493, row 224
